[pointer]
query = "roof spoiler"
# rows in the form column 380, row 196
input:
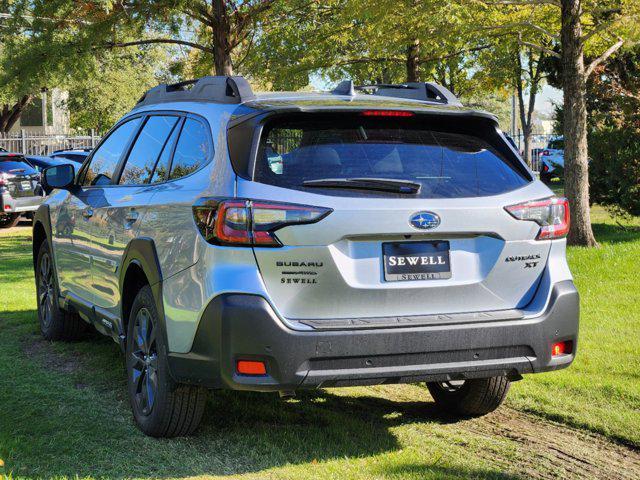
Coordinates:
column 218, row 89
column 423, row 91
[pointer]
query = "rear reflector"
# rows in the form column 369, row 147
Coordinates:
column 250, row 367
column 561, row 348
column 387, row 113
column 552, row 214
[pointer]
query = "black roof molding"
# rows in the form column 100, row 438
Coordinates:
column 423, row 91
column 345, row 87
column 219, row 89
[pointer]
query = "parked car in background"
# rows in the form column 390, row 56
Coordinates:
column 78, row 156
column 41, row 162
column 20, row 189
column 552, row 159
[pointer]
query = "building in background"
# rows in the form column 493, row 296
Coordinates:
column 47, row 114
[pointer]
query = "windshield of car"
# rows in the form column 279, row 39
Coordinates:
column 299, row 154
column 16, row 167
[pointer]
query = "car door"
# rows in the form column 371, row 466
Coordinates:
column 118, row 218
column 74, row 227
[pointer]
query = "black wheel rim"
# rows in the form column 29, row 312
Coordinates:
column 45, row 291
column 144, row 362
column 451, row 386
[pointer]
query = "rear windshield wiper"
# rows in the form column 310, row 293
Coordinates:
column 382, row 184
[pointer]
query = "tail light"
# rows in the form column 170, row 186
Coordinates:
column 552, row 214
column 250, row 223
column 545, row 168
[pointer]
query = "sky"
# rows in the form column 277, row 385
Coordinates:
column 547, row 98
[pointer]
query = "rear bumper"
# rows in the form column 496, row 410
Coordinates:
column 237, row 326
column 9, row 204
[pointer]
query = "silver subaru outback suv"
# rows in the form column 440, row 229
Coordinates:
column 280, row 241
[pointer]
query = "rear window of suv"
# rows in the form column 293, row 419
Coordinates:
column 447, row 164
column 16, row 167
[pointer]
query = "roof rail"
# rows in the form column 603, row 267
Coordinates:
column 219, row 89
column 424, row 91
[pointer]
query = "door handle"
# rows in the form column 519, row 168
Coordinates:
column 87, row 212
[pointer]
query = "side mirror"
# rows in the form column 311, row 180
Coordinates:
column 59, row 176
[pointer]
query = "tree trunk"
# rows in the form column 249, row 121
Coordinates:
column 576, row 169
column 527, row 135
column 10, row 115
column 413, row 52
column 221, row 39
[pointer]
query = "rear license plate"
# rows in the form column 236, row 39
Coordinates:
column 404, row 261
column 25, row 185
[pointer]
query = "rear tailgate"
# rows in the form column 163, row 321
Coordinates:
column 334, row 268
column 19, row 177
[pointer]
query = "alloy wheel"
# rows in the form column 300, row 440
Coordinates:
column 46, row 291
column 144, row 362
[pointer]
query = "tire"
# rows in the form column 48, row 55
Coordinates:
column 161, row 407
column 471, row 398
column 55, row 323
column 9, row 220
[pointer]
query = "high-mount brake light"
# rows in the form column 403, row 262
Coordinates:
column 244, row 222
column 387, row 113
column 552, row 214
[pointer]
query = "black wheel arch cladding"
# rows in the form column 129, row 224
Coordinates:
column 141, row 253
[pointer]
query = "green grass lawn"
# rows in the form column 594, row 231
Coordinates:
column 64, row 411
column 601, row 390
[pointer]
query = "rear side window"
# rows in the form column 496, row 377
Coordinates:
column 447, row 164
column 161, row 172
column 147, row 149
column 105, row 159
column 194, row 149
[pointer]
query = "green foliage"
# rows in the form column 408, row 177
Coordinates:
column 369, row 42
column 111, row 85
column 615, row 170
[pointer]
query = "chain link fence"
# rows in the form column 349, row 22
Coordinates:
column 29, row 143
